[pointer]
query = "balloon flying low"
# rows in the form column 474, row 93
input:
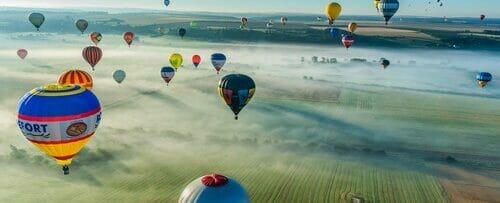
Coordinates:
column 352, row 27
column 236, row 90
column 119, row 76
column 22, row 53
column 483, row 78
column 92, row 55
column 196, row 60
column 166, row 2
column 244, row 22
column 37, row 20
column 218, row 61
column 82, row 25
column 176, row 60
column 182, row 32
column 76, row 77
column 59, row 120
column 167, row 73
column 385, row 63
column 95, row 37
column 284, row 20
column 332, row 11
column 214, row 188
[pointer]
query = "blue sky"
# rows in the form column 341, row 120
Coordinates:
column 350, row 7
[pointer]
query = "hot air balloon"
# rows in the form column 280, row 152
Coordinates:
column 82, row 25
column 385, row 63
column 284, row 20
column 95, row 37
column 347, row 41
column 128, row 37
column 193, row 24
column 37, row 20
column 375, row 3
column 214, row 188
column 244, row 22
column 388, row 8
column 166, row 2
column 22, row 53
column 319, row 19
column 352, row 27
column 270, row 25
column 76, row 77
column 119, row 76
column 59, row 120
column 92, row 55
column 334, row 32
column 176, row 60
column 482, row 17
column 218, row 61
column 167, row 73
column 332, row 11
column 236, row 90
column 483, row 78
column 182, row 32
column 196, row 60
column 162, row 30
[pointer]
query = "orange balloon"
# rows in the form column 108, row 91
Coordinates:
column 76, row 77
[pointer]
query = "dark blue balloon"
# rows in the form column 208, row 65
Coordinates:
column 166, row 2
column 334, row 32
column 484, row 76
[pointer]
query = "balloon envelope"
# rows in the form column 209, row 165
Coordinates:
column 82, row 25
column 37, row 20
column 76, row 77
column 176, row 60
column 166, row 2
column 92, row 55
column 218, row 61
column 236, row 90
column 196, row 60
column 22, row 53
column 388, row 8
column 352, row 27
column 347, row 41
column 95, row 37
column 214, row 188
column 167, row 73
column 119, row 76
column 332, row 11
column 483, row 78
column 59, row 120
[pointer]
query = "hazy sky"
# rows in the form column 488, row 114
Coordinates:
column 350, row 7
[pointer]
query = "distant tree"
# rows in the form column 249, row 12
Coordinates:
column 451, row 159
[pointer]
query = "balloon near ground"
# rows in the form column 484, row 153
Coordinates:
column 95, row 37
column 76, row 77
column 119, row 76
column 22, row 53
column 37, row 20
column 218, row 61
column 167, row 73
column 176, row 60
column 92, row 55
column 59, row 120
column 82, row 25
column 214, row 188
column 128, row 37
column 196, row 60
column 236, row 90
column 332, row 11
column 483, row 78
column 388, row 8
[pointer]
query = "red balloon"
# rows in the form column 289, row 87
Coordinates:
column 92, row 55
column 128, row 37
column 347, row 41
column 196, row 60
column 22, row 53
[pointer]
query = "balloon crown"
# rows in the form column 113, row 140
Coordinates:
column 214, row 180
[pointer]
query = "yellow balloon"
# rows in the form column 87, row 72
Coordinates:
column 176, row 60
column 352, row 27
column 375, row 3
column 332, row 11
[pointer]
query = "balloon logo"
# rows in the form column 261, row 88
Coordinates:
column 92, row 55
column 128, row 37
column 37, row 20
column 59, row 120
column 218, row 61
column 22, row 53
column 82, row 25
column 76, row 77
column 119, row 76
column 167, row 73
column 176, row 60
column 95, row 37
column 236, row 90
column 196, row 60
column 214, row 188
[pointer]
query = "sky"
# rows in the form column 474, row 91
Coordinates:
column 458, row 8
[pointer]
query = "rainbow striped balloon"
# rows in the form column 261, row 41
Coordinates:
column 59, row 120
column 76, row 77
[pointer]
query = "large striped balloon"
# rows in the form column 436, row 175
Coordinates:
column 76, row 77
column 388, row 8
column 59, row 120
column 92, row 55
